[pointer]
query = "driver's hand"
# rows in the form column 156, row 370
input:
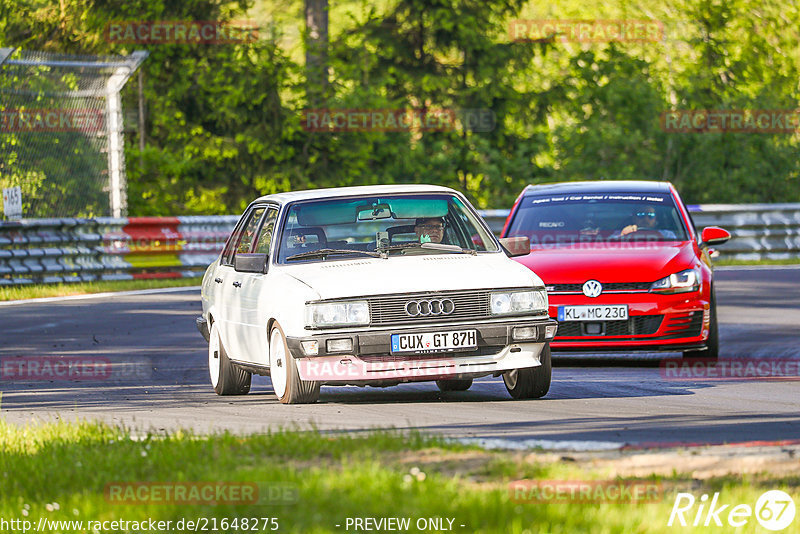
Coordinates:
column 629, row 229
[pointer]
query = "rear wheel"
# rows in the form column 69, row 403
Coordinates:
column 226, row 378
column 712, row 343
column 454, row 384
column 532, row 382
column 286, row 382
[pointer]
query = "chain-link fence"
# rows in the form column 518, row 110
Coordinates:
column 61, row 131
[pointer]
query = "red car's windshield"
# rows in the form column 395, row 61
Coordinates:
column 566, row 219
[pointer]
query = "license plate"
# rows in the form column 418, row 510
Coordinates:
column 593, row 313
column 435, row 341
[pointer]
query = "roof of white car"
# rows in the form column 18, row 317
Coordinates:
column 355, row 191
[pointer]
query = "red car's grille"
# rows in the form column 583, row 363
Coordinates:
column 640, row 325
column 607, row 288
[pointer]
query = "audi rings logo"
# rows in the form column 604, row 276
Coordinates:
column 425, row 308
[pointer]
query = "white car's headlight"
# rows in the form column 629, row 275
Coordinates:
column 682, row 282
column 337, row 314
column 518, row 302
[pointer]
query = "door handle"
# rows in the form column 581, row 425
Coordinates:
column 237, row 284
column 218, row 280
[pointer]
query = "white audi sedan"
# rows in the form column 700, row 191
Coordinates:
column 378, row 286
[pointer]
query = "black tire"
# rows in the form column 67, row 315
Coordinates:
column 454, row 384
column 532, row 382
column 712, row 343
column 296, row 390
column 231, row 380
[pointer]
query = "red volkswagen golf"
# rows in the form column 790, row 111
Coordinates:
column 623, row 264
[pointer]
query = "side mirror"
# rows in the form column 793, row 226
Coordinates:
column 250, row 263
column 714, row 235
column 516, row 246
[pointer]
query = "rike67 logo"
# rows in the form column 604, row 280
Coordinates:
column 774, row 510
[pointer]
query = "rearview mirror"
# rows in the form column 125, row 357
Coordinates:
column 714, row 235
column 516, row 246
column 374, row 212
column 250, row 263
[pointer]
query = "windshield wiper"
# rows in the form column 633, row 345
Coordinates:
column 322, row 252
column 430, row 246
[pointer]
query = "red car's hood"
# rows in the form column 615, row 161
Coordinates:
column 609, row 263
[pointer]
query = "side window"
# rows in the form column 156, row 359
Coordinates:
column 249, row 234
column 243, row 237
column 265, row 237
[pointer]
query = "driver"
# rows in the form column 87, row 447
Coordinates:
column 430, row 229
column 645, row 218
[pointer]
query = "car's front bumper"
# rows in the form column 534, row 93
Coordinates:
column 371, row 359
column 656, row 323
column 202, row 326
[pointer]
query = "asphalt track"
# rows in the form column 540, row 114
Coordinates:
column 159, row 379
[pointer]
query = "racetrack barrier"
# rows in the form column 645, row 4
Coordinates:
column 83, row 250
column 104, row 248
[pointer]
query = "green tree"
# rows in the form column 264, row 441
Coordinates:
column 434, row 55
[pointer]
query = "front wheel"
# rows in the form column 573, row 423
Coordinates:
column 226, row 378
column 531, row 382
column 286, row 382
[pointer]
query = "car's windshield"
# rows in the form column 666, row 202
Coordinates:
column 379, row 223
column 567, row 219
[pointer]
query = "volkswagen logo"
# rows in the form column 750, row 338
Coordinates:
column 592, row 288
column 425, row 308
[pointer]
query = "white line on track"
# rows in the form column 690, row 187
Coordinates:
column 754, row 267
column 45, row 300
column 545, row 444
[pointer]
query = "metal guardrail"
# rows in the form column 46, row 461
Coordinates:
column 82, row 250
column 79, row 250
column 760, row 231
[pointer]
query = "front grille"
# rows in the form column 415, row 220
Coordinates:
column 607, row 288
column 391, row 310
column 639, row 325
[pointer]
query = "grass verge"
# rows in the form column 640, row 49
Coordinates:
column 63, row 472
column 85, row 288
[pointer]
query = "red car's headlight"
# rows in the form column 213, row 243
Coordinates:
column 682, row 282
